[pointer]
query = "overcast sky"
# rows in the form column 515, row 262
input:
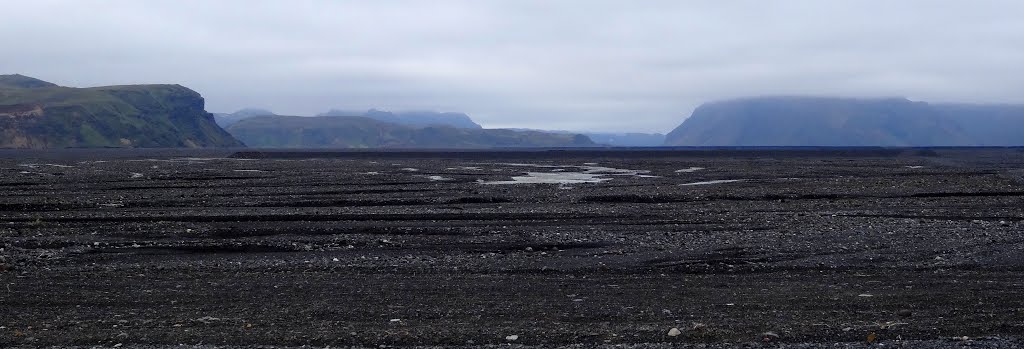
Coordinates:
column 573, row 64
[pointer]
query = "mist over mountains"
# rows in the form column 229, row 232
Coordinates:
column 364, row 132
column 412, row 118
column 226, row 119
column 615, row 139
column 39, row 114
column 829, row 121
column 457, row 120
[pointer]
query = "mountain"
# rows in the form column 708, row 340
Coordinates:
column 625, row 139
column 226, row 119
column 364, row 132
column 826, row 121
column 38, row 114
column 988, row 125
column 412, row 118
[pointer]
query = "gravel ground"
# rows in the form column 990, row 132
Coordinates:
column 932, row 344
column 912, row 248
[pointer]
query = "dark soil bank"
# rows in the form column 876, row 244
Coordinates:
column 802, row 247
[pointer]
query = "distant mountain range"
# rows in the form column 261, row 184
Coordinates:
column 826, row 121
column 412, row 118
column 365, row 132
column 625, row 139
column 39, row 114
column 457, row 120
column 225, row 120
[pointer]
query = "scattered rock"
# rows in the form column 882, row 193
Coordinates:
column 512, row 338
column 674, row 332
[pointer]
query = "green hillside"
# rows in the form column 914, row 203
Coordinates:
column 36, row 114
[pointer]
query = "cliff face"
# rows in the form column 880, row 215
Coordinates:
column 362, row 132
column 49, row 116
column 814, row 121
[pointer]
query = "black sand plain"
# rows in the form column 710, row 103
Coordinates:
column 731, row 247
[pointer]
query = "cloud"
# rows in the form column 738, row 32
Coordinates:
column 572, row 64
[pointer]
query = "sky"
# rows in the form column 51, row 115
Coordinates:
column 582, row 65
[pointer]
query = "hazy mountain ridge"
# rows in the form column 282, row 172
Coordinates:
column 226, row 119
column 38, row 114
column 617, row 139
column 827, row 121
column 988, row 124
column 412, row 118
column 364, row 132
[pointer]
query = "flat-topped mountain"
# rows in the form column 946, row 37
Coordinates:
column 825, row 121
column 38, row 114
column 364, row 132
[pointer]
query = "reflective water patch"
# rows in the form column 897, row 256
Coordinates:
column 717, row 181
